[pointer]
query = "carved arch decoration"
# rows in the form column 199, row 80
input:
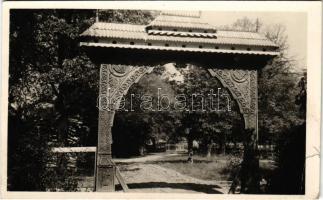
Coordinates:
column 115, row 81
column 242, row 84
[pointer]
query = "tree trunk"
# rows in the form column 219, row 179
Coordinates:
column 220, row 150
column 141, row 151
column 249, row 174
column 224, row 143
column 209, row 150
column 189, row 143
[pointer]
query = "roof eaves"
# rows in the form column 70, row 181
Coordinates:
column 171, row 38
column 123, row 46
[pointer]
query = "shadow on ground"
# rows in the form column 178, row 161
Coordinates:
column 208, row 189
column 162, row 161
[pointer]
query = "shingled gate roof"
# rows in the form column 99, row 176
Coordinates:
column 177, row 32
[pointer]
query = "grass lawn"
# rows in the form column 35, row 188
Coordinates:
column 217, row 167
column 213, row 168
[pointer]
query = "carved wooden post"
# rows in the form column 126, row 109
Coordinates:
column 105, row 169
column 242, row 84
column 115, row 80
column 250, row 164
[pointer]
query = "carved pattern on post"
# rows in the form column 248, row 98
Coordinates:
column 253, row 92
column 252, row 117
column 119, row 70
column 104, row 135
column 105, row 116
column 121, row 78
column 104, row 160
column 237, row 83
column 103, row 91
column 243, row 86
column 115, row 81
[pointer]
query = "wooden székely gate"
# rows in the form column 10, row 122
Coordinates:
column 126, row 52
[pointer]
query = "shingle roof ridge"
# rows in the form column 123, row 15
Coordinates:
column 261, row 36
column 232, row 30
column 187, row 22
column 114, row 26
column 191, row 14
column 119, row 24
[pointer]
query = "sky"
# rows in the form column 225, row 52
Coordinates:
column 295, row 23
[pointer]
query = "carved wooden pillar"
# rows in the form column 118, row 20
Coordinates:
column 251, row 117
column 115, row 81
column 243, row 86
column 250, row 165
column 105, row 170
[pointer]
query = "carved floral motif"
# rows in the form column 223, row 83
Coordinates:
column 239, row 75
column 115, row 81
column 243, row 86
column 119, row 70
column 225, row 77
column 125, row 82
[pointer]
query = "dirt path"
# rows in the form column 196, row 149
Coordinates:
column 142, row 175
column 151, row 157
column 153, row 178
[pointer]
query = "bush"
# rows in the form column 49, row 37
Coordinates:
column 289, row 178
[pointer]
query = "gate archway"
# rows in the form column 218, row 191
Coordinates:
column 126, row 52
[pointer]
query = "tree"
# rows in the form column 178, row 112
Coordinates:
column 276, row 82
column 139, row 121
column 246, row 24
column 290, row 174
column 280, row 121
column 52, row 93
column 277, row 89
column 205, row 124
column 40, row 69
column 127, row 16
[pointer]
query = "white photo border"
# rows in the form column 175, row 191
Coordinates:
column 314, row 66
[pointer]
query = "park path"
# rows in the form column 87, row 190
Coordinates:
column 144, row 177
column 150, row 157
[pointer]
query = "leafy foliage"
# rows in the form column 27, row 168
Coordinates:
column 282, row 111
column 290, row 174
column 208, row 126
column 136, row 129
column 53, row 87
column 127, row 16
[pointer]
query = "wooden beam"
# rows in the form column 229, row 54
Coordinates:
column 73, row 149
column 121, row 180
